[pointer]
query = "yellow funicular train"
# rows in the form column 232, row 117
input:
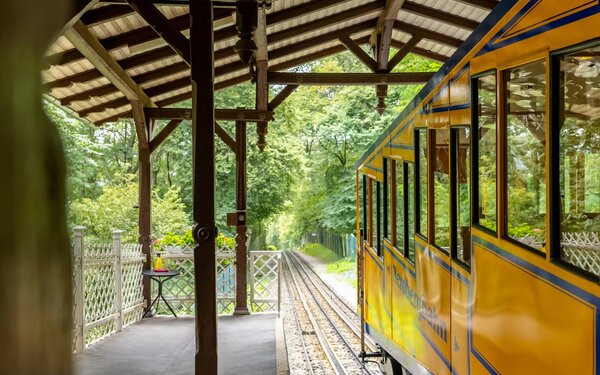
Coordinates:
column 479, row 207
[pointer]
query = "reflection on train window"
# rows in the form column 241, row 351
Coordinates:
column 486, row 147
column 372, row 210
column 400, row 210
column 421, row 170
column 526, row 154
column 364, row 206
column 409, row 201
column 441, row 189
column 461, row 155
column 387, row 188
column 579, row 137
column 379, row 219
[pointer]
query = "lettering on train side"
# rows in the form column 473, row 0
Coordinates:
column 425, row 311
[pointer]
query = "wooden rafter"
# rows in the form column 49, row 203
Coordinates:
column 80, row 8
column 439, row 15
column 360, row 53
column 89, row 46
column 427, row 34
column 249, row 115
column 402, row 52
column 105, row 14
column 348, row 79
column 281, row 96
column 164, row 134
column 161, row 25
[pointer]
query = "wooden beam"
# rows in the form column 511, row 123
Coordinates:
column 248, row 115
column 382, row 36
column 105, row 14
column 359, row 53
column 159, row 23
column 436, row 14
column 164, row 134
column 79, row 9
column 262, row 87
column 225, row 137
column 402, row 52
column 483, row 4
column 427, row 34
column 283, row 94
column 89, row 46
column 348, row 79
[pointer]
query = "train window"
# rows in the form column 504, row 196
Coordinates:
column 387, row 188
column 441, row 189
column 409, row 203
column 460, row 193
column 421, row 180
column 372, row 210
column 378, row 231
column 400, row 208
column 484, row 122
column 365, row 207
column 577, row 134
column 526, row 154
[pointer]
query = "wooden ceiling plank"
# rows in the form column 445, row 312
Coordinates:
column 482, row 4
column 347, row 79
column 105, row 14
column 281, row 96
column 162, row 26
column 360, row 53
column 403, row 51
column 439, row 15
column 89, row 46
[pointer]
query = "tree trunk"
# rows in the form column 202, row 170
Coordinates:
column 35, row 282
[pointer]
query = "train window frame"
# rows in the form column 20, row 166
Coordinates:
column 475, row 152
column 378, row 218
column 365, row 207
column 417, row 167
column 554, row 153
column 502, row 125
column 387, row 219
column 454, row 196
column 433, row 149
column 409, row 238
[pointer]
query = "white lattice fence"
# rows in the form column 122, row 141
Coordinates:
column 264, row 283
column 582, row 249
column 179, row 291
column 107, row 288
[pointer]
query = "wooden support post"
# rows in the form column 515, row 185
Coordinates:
column 144, row 133
column 205, row 232
column 241, row 237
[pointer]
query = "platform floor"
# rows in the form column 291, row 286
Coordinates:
column 247, row 345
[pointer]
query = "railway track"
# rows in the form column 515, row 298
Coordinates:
column 330, row 339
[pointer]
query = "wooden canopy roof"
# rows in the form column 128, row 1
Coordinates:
column 112, row 55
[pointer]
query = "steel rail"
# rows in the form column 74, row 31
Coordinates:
column 336, row 365
column 372, row 346
column 307, row 360
column 348, row 345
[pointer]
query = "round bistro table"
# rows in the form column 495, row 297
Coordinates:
column 160, row 278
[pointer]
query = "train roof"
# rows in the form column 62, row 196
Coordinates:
column 486, row 25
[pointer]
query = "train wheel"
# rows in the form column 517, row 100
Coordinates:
column 392, row 367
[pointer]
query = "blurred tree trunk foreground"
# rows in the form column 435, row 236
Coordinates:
column 35, row 274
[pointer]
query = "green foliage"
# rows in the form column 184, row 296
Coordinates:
column 116, row 208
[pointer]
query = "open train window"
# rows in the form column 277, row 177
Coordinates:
column 483, row 90
column 460, row 184
column 575, row 156
column 387, row 188
column 441, row 188
column 525, row 154
column 421, row 181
